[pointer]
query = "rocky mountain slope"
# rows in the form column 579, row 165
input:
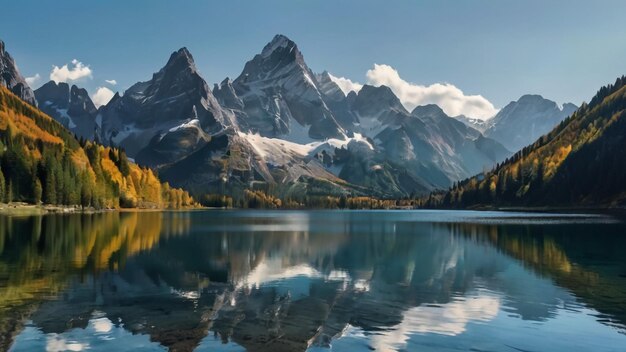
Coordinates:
column 175, row 100
column 521, row 122
column 11, row 78
column 281, row 96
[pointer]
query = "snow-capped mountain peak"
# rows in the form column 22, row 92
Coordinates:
column 281, row 97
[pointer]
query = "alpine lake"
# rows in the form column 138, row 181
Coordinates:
column 226, row 280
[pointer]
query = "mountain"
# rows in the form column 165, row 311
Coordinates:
column 202, row 141
column 176, row 99
column 72, row 107
column 41, row 161
column 281, row 96
column 578, row 163
column 280, row 127
column 523, row 121
column 459, row 149
column 11, row 78
column 431, row 146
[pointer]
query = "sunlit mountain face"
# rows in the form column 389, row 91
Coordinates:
column 274, row 281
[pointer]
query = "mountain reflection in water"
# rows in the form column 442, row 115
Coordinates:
column 289, row 281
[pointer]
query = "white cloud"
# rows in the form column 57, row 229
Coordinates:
column 448, row 319
column 33, row 79
column 102, row 96
column 346, row 85
column 75, row 71
column 111, row 81
column 450, row 98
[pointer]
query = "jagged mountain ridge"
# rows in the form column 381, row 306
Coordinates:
column 198, row 143
column 71, row 106
column 279, row 126
column 431, row 145
column 278, row 101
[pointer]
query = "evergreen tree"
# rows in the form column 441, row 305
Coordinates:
column 343, row 202
column 123, row 164
column 2, row 187
column 10, row 192
column 37, row 191
column 50, row 189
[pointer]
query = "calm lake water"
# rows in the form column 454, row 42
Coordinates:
column 313, row 281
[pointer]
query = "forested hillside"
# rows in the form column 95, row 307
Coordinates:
column 41, row 161
column 582, row 162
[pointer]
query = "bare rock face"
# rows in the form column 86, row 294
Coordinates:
column 328, row 87
column 226, row 95
column 11, row 78
column 72, row 107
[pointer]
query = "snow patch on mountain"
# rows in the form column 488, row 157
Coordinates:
column 343, row 143
column 194, row 123
column 275, row 148
column 63, row 113
column 277, row 151
column 128, row 131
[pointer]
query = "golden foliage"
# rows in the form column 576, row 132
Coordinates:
column 84, row 173
column 20, row 124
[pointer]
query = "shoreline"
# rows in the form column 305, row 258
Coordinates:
column 618, row 212
column 27, row 209
column 554, row 209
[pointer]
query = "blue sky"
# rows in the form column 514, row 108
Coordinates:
column 562, row 49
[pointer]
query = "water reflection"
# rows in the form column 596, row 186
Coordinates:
column 274, row 281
